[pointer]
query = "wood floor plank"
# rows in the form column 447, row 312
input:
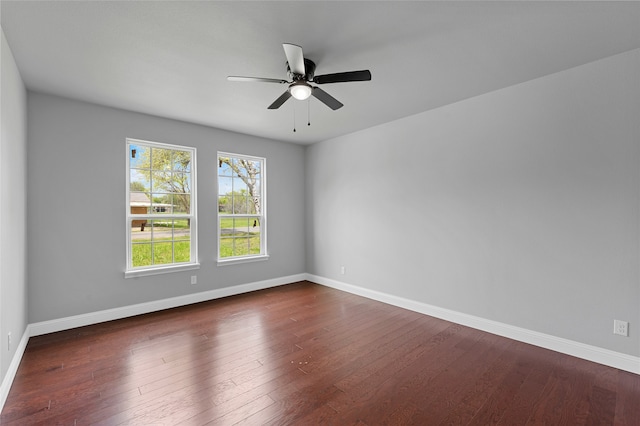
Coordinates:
column 476, row 402
column 627, row 397
column 500, row 395
column 450, row 383
column 602, row 406
column 305, row 354
column 527, row 396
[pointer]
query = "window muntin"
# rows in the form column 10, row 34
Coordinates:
column 241, row 207
column 161, row 220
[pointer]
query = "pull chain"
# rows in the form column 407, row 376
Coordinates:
column 309, row 112
column 294, row 117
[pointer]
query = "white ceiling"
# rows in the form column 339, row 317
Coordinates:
column 171, row 59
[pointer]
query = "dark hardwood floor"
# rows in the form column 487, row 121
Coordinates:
column 305, row 354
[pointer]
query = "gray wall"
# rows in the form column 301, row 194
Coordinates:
column 519, row 206
column 13, row 184
column 76, row 208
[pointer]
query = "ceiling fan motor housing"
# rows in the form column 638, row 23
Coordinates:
column 309, row 69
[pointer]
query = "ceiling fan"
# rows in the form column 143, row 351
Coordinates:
column 301, row 72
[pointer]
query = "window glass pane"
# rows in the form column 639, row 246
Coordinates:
column 235, row 163
column 225, row 205
column 162, row 253
column 225, row 185
column 181, row 230
column 226, row 237
column 140, row 254
column 241, row 247
column 139, row 156
column 226, row 226
column 240, row 226
column 182, row 251
column 239, row 186
column 254, row 226
column 139, row 203
column 253, row 205
column 160, row 203
column 239, row 204
column 161, row 229
column 254, row 236
column 181, row 203
column 140, row 230
column 223, row 167
column 182, row 161
column 180, row 182
column 138, row 181
column 161, row 159
column 161, row 181
column 226, row 246
column 254, row 244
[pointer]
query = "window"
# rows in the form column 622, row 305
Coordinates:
column 241, row 208
column 161, row 206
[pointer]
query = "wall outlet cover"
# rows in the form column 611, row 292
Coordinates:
column 620, row 327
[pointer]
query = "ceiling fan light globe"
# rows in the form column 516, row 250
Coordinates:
column 300, row 91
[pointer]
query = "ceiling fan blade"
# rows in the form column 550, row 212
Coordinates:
column 278, row 102
column 326, row 98
column 295, row 58
column 343, row 77
column 256, row 79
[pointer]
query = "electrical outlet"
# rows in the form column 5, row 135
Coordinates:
column 342, row 270
column 9, row 341
column 620, row 327
column 194, row 279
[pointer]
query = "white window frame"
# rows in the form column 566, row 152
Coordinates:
column 131, row 271
column 262, row 216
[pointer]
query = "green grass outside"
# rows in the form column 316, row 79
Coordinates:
column 239, row 246
column 235, row 240
column 227, row 223
column 164, row 252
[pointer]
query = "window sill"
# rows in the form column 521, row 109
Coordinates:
column 237, row 260
column 162, row 270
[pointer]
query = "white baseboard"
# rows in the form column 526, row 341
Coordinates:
column 67, row 323
column 591, row 353
column 5, row 387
